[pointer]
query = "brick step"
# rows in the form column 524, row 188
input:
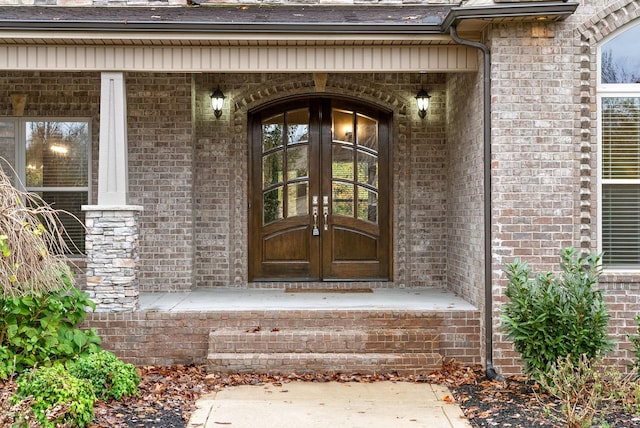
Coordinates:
column 331, row 320
column 313, row 362
column 323, row 341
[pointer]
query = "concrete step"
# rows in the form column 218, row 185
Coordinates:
column 312, row 362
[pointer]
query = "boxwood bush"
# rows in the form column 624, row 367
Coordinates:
column 57, row 398
column 109, row 376
column 556, row 316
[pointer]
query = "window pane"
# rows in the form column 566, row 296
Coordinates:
column 342, row 201
column 57, row 154
column 7, row 148
column 342, row 126
column 273, row 205
column 368, row 132
column 298, row 126
column 621, row 225
column 621, row 137
column 72, row 219
column 620, row 60
column 297, row 162
column 272, row 169
column 272, row 132
column 298, row 202
column 368, row 169
column 342, row 162
column 367, row 205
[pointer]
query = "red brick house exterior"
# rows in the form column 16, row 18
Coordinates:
column 516, row 157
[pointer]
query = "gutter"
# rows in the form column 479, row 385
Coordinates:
column 551, row 11
column 224, row 27
column 488, row 258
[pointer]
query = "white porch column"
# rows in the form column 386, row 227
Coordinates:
column 111, row 241
column 113, row 176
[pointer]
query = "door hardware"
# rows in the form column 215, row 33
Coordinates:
column 325, row 211
column 315, row 231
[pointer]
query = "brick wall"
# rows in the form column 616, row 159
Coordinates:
column 152, row 337
column 55, row 95
column 427, row 198
column 536, row 187
column 207, row 192
column 544, row 155
column 465, row 187
column 161, row 177
column 221, row 170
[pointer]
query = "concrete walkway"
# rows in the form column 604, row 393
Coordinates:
column 330, row 405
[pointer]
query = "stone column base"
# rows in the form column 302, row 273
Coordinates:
column 112, row 256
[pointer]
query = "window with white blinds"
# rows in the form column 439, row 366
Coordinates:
column 620, row 130
column 52, row 160
column 619, row 112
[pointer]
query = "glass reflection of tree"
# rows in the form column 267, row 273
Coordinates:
column 57, row 154
column 271, row 138
column 614, row 69
column 273, row 131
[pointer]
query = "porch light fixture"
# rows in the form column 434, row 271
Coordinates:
column 217, row 101
column 423, row 102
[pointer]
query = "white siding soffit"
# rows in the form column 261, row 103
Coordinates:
column 274, row 39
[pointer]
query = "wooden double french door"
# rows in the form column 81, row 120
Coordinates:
column 319, row 192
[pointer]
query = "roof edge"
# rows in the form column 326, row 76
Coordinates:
column 555, row 10
column 199, row 27
column 560, row 10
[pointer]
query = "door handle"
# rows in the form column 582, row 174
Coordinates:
column 325, row 211
column 315, row 231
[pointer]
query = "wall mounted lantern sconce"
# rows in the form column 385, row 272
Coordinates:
column 217, row 101
column 423, row 102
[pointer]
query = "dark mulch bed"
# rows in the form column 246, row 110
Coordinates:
column 518, row 403
column 168, row 395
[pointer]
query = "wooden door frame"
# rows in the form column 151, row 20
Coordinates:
column 307, row 100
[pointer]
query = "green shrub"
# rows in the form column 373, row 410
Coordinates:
column 41, row 328
column 553, row 317
column 109, row 376
column 56, row 396
column 7, row 362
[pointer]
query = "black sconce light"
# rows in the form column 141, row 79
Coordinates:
column 423, row 102
column 217, row 101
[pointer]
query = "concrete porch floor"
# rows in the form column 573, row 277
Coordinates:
column 242, row 299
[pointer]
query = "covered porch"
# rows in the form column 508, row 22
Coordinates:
column 404, row 330
column 167, row 187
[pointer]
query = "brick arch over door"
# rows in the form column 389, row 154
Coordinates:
column 361, row 87
column 592, row 31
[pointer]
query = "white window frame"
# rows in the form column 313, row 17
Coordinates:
column 611, row 90
column 21, row 155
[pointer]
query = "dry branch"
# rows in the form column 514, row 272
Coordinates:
column 32, row 248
